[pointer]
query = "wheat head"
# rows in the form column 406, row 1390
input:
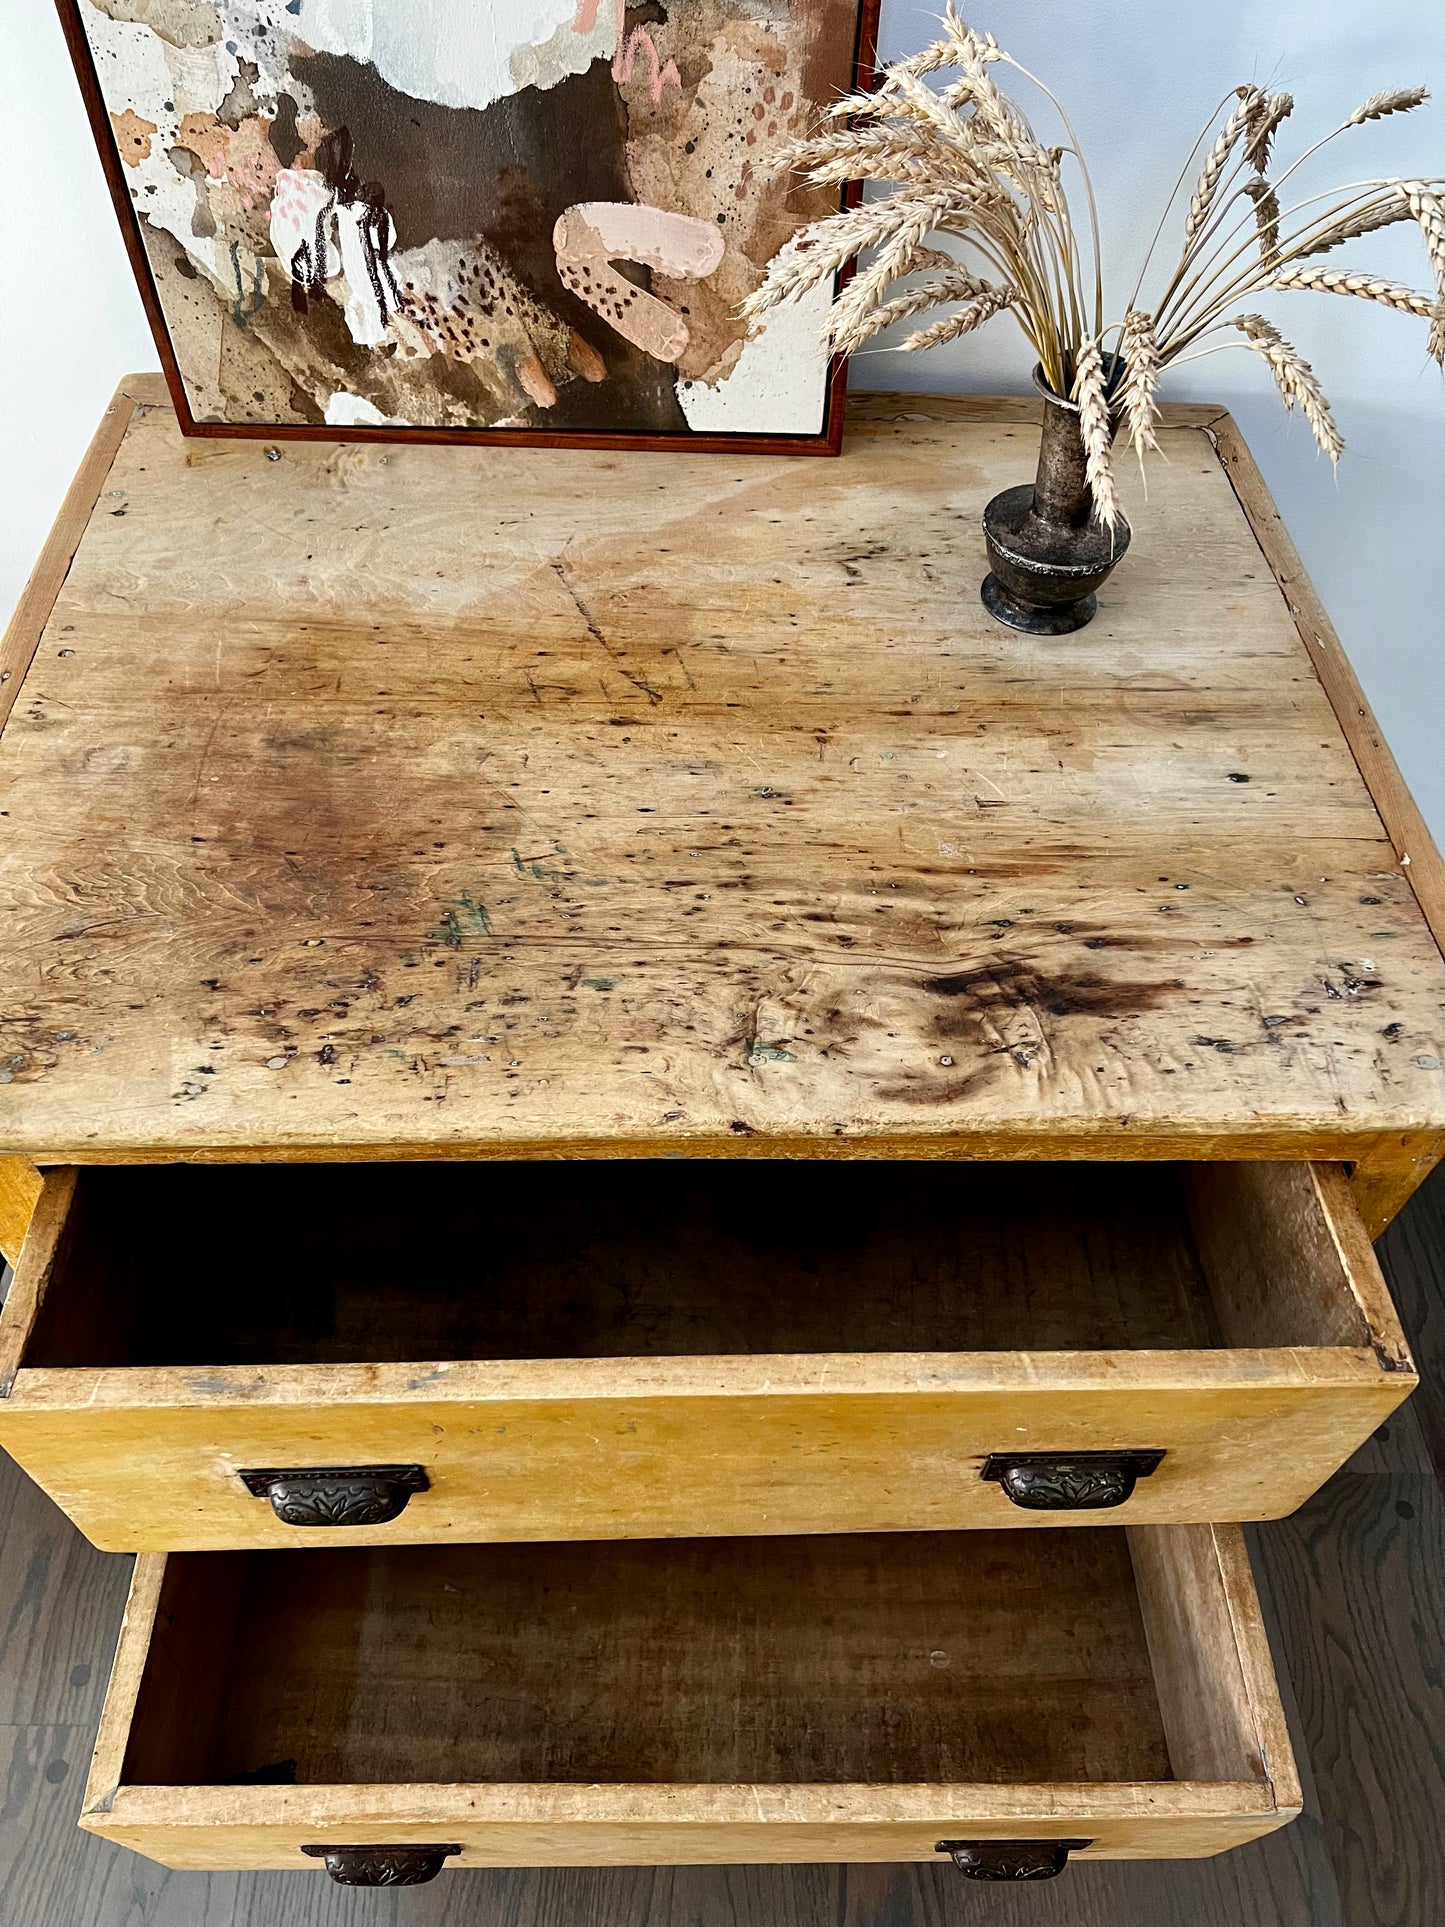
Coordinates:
column 1218, row 159
column 1296, row 380
column 993, row 301
column 1267, row 218
column 1395, row 100
column 1143, row 373
column 1097, row 424
column 1369, row 287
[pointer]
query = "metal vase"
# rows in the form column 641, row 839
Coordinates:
column 1048, row 552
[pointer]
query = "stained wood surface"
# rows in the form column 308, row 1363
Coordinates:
column 757, row 1347
column 1409, row 833
column 702, row 1700
column 410, row 800
column 910, row 1659
column 1371, row 1746
column 37, row 599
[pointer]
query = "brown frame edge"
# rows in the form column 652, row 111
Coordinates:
column 828, row 442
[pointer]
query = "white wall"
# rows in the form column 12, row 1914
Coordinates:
column 1139, row 76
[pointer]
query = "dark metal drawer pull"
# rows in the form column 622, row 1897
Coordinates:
column 1069, row 1481
column 1011, row 1859
column 382, row 1866
column 337, row 1495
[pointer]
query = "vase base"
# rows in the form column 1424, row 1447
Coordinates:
column 1061, row 619
column 1045, row 575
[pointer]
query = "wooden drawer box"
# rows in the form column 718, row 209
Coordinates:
column 647, row 1349
column 675, row 1701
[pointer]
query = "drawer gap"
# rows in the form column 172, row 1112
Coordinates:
column 333, row 1264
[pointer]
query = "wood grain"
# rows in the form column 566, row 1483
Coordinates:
column 606, row 1700
column 795, row 853
column 19, row 1191
column 52, row 1876
column 1287, row 1256
column 1414, row 845
column 1365, row 1558
column 37, row 598
column 915, row 1659
column 749, row 1348
column 1413, row 1252
column 63, row 1601
column 33, row 1271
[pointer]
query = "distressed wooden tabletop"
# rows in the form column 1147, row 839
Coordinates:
column 413, row 801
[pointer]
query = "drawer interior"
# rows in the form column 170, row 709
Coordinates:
column 898, row 1658
column 300, row 1264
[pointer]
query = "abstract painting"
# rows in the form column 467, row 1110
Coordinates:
column 473, row 219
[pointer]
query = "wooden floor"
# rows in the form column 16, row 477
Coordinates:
column 1354, row 1584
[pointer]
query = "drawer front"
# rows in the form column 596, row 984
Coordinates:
column 769, row 1452
column 1141, row 1653
column 245, row 1832
column 1306, row 1361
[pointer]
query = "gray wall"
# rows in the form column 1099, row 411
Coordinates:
column 1139, row 76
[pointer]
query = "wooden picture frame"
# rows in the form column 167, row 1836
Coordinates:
column 446, row 343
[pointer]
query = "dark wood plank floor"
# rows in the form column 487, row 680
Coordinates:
column 1354, row 1586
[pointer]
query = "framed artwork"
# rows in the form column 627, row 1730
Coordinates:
column 457, row 220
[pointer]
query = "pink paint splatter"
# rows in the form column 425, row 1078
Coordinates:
column 249, row 163
column 660, row 74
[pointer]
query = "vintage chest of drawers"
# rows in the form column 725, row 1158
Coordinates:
column 677, row 1192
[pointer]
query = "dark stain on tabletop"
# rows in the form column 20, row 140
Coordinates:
column 1010, row 986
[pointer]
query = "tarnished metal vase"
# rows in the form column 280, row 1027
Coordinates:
column 1048, row 552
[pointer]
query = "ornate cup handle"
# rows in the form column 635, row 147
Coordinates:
column 1011, row 1859
column 1069, row 1481
column 337, row 1495
column 382, row 1866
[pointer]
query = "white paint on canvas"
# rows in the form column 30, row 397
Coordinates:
column 263, row 31
column 468, row 57
column 779, row 383
column 345, row 410
column 142, row 74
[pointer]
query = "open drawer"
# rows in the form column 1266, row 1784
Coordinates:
column 684, row 1701
column 232, row 1356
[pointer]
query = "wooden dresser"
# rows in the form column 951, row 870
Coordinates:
column 676, row 1190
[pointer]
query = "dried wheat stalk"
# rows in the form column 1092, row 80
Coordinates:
column 990, row 302
column 1267, row 217
column 1219, row 158
column 933, row 293
column 856, row 315
column 1425, row 206
column 966, row 165
column 1395, row 100
column 1369, row 287
column 1140, row 393
column 1394, row 208
column 1297, row 381
column 1268, row 114
column 1096, row 419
